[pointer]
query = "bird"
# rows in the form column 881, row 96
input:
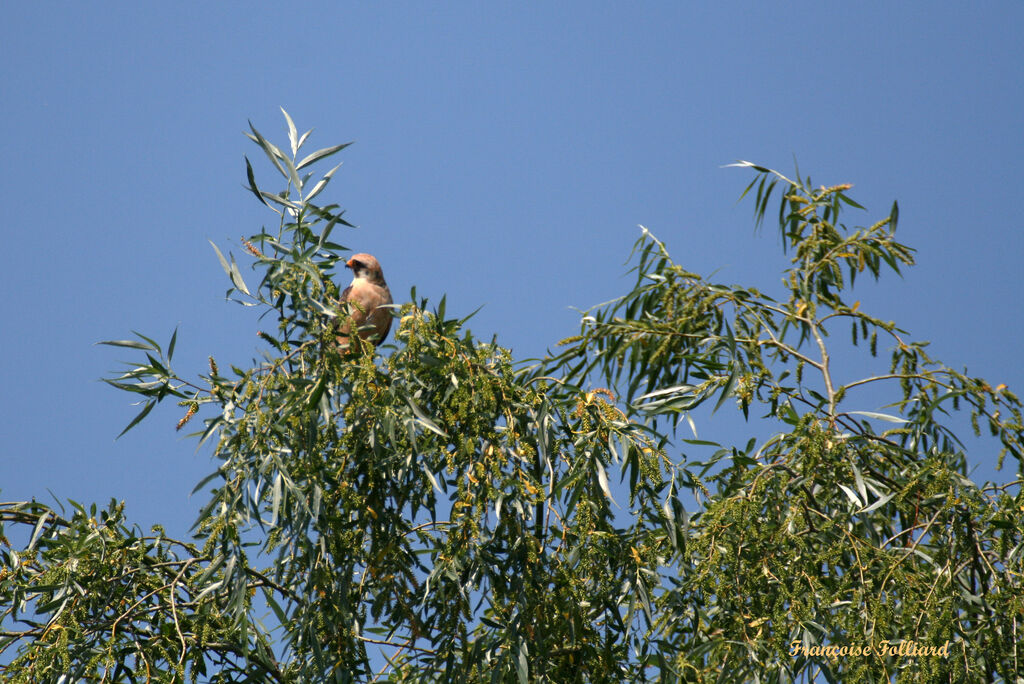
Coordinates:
column 364, row 299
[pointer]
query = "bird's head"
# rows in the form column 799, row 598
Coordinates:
column 365, row 266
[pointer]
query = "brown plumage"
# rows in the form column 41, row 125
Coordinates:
column 364, row 297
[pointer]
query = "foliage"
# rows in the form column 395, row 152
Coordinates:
column 445, row 512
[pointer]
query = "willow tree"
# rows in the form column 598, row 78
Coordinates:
column 436, row 509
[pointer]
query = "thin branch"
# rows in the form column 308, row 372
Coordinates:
column 408, row 644
column 890, row 376
column 825, row 370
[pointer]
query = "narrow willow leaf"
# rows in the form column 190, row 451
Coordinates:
column 131, row 344
column 209, row 589
column 693, row 426
column 424, row 419
column 729, row 384
column 276, row 500
column 271, row 150
column 223, row 262
column 236, row 277
column 739, row 163
column 142, row 414
column 879, row 416
column 38, row 530
column 849, row 201
column 325, row 408
column 212, row 426
column 859, row 479
column 283, row 201
column 321, row 184
column 128, row 387
column 206, row 480
column 320, row 154
column 293, row 176
column 433, row 480
column 268, row 594
column 522, row 663
column 252, row 183
column 315, row 507
column 678, row 389
column 318, row 391
column 293, row 134
column 878, row 504
column 602, row 479
column 851, row 495
column 156, row 347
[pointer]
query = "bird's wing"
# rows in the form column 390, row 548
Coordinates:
column 372, row 297
column 364, row 299
column 383, row 316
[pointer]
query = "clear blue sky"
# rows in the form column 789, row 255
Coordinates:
column 504, row 155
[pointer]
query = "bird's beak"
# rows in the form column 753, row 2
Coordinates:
column 348, row 264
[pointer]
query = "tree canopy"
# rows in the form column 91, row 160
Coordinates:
column 438, row 509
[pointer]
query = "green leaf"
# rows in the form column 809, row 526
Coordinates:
column 739, row 163
column 522, row 663
column 851, row 495
column 206, row 480
column 433, row 480
column 252, row 182
column 878, row 504
column 423, row 418
column 701, row 442
column 318, row 391
column 236, row 276
column 131, row 344
column 849, row 201
column 293, row 135
column 729, row 385
column 156, row 347
column 321, row 184
column 142, row 414
column 293, row 176
column 321, row 154
column 602, row 480
column 271, row 150
column 279, row 613
column 879, row 416
column 275, row 499
column 38, row 529
column 223, row 262
column 282, row 200
column 677, row 389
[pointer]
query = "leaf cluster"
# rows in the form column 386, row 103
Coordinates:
column 434, row 509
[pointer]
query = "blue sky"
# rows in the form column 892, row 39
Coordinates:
column 504, row 155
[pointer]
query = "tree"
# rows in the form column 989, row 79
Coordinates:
column 448, row 512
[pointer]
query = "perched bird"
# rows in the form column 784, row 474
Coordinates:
column 363, row 298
